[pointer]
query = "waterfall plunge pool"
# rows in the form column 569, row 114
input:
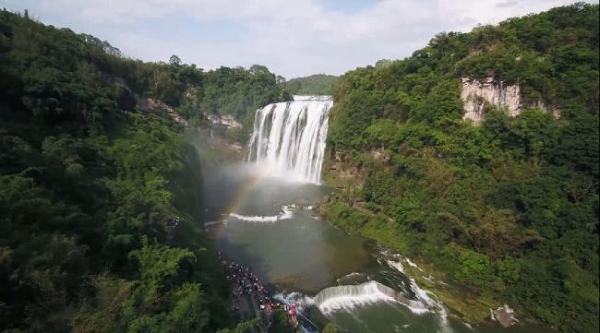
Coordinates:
column 260, row 216
column 268, row 224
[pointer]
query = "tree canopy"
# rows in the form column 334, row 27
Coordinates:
column 101, row 224
column 318, row 84
column 509, row 208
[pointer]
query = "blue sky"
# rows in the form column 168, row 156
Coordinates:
column 291, row 37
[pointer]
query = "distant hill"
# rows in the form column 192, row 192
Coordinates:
column 318, row 84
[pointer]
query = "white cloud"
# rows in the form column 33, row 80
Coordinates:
column 121, row 11
column 291, row 37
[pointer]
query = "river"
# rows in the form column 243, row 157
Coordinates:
column 268, row 224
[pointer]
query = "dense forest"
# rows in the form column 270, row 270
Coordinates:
column 318, row 84
column 101, row 225
column 508, row 208
column 236, row 92
column 233, row 91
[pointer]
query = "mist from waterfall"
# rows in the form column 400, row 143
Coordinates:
column 289, row 138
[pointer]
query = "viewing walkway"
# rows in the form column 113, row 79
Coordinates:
column 250, row 298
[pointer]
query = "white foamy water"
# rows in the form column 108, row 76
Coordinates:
column 348, row 297
column 351, row 276
column 425, row 296
column 397, row 265
column 290, row 298
column 412, row 264
column 354, row 278
column 286, row 214
column 289, row 138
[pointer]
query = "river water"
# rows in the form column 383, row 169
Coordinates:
column 269, row 225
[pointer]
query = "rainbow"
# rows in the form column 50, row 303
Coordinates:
column 242, row 194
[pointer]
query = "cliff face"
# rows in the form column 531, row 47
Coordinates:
column 156, row 106
column 225, row 120
column 474, row 93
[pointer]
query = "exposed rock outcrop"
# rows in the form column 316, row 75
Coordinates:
column 151, row 105
column 380, row 155
column 504, row 315
column 475, row 93
column 225, row 120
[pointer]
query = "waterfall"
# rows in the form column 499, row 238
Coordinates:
column 289, row 137
column 347, row 297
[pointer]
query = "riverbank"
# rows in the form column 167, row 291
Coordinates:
column 465, row 305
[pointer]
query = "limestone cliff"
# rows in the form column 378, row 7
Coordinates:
column 476, row 93
column 225, row 120
column 156, row 106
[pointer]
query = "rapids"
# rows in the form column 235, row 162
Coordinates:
column 261, row 216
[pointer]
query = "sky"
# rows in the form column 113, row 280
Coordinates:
column 292, row 38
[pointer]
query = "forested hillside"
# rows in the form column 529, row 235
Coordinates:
column 101, row 224
column 508, row 208
column 318, row 84
column 234, row 91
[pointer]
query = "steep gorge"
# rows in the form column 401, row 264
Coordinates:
column 482, row 206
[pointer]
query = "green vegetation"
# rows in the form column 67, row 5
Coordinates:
column 329, row 328
column 101, row 224
column 318, row 84
column 235, row 91
column 508, row 209
column 196, row 94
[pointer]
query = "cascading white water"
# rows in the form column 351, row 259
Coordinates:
column 423, row 295
column 289, row 137
column 346, row 297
